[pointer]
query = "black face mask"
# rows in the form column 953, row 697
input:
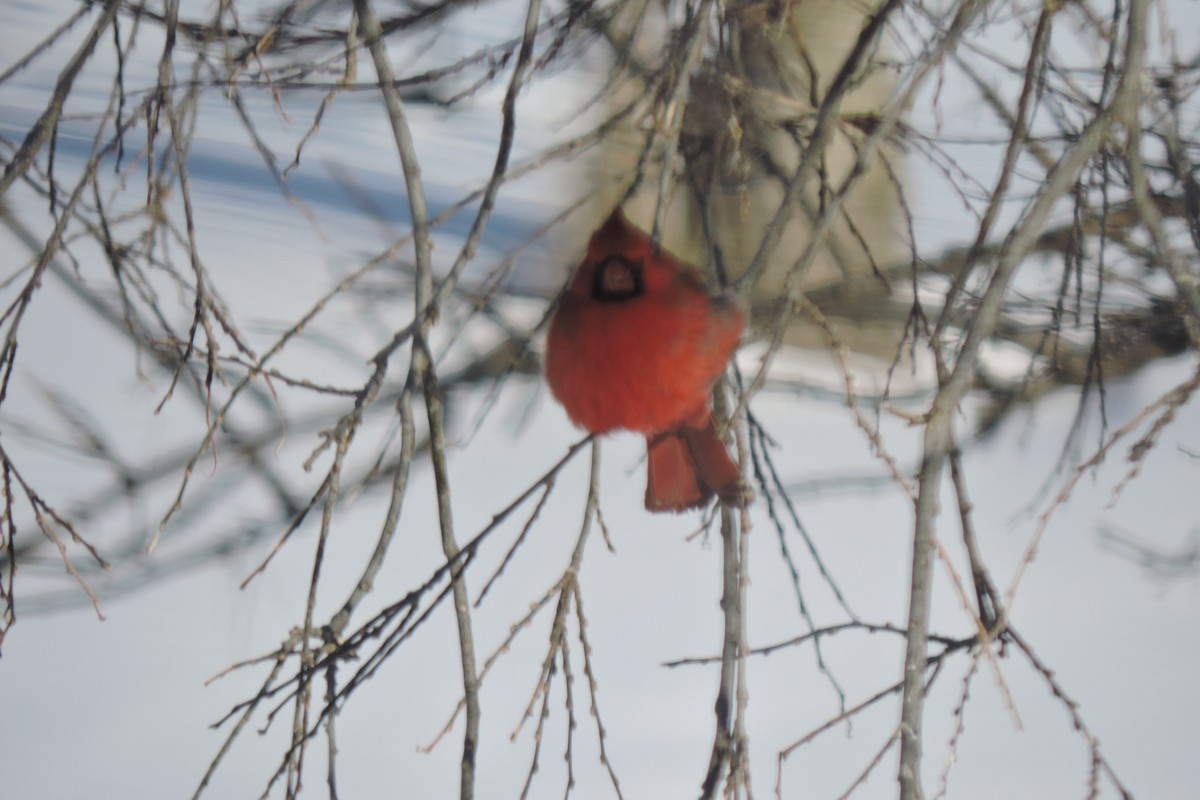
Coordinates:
column 618, row 279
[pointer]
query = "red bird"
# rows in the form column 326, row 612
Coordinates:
column 636, row 344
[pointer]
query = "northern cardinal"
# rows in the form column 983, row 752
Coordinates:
column 636, row 344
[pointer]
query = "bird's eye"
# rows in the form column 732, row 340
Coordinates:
column 618, row 279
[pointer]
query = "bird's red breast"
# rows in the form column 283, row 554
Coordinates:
column 637, row 341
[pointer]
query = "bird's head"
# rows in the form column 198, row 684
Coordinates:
column 623, row 263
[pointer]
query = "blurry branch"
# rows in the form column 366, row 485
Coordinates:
column 1098, row 762
column 1183, row 561
column 948, row 645
column 818, row 139
column 1160, row 413
column 989, row 612
column 782, row 496
column 244, row 447
column 42, row 130
column 771, row 142
column 727, row 761
column 954, row 384
column 390, row 628
column 50, row 522
column 569, row 596
column 934, row 666
column 821, row 633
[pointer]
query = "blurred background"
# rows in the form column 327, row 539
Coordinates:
column 269, row 472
